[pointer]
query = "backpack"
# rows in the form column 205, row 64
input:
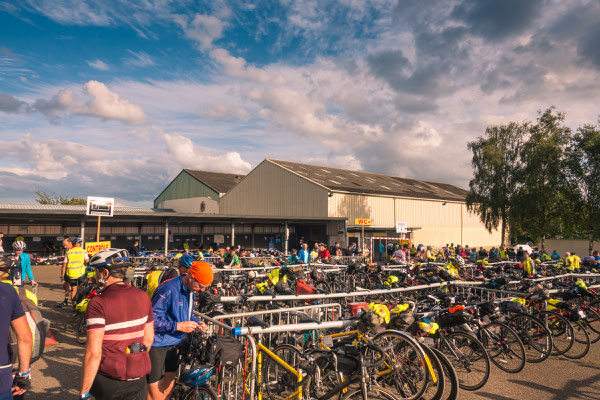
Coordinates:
column 222, row 350
column 38, row 325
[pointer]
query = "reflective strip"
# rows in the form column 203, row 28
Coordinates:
column 124, row 336
column 5, row 366
column 95, row 321
column 126, row 324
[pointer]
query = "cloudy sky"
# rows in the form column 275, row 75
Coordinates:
column 115, row 97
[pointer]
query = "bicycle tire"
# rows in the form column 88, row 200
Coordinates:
column 592, row 320
column 201, row 393
column 277, row 381
column 80, row 331
column 434, row 390
column 503, row 346
column 536, row 338
column 451, row 387
column 375, row 393
column 406, row 358
column 466, row 350
column 561, row 330
column 581, row 342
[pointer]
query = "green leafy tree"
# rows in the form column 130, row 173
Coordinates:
column 541, row 204
column 583, row 161
column 496, row 166
column 45, row 198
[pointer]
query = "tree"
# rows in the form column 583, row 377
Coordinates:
column 583, row 171
column 541, row 204
column 45, row 198
column 496, row 164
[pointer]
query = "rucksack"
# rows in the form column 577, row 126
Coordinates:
column 222, row 350
column 38, row 325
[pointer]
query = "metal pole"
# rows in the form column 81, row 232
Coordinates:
column 82, row 232
column 232, row 234
column 98, row 230
column 253, row 228
column 166, row 236
column 286, row 238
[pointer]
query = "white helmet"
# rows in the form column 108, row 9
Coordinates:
column 19, row 245
column 460, row 261
column 105, row 258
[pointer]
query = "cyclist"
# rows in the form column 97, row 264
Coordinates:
column 172, row 303
column 575, row 262
column 453, row 266
column 73, row 269
column 555, row 256
column 528, row 266
column 22, row 263
column 154, row 279
column 120, row 330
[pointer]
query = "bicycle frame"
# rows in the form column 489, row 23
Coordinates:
column 297, row 373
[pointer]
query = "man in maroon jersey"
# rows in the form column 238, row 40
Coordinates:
column 120, row 332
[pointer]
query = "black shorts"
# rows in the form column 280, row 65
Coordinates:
column 73, row 282
column 107, row 389
column 162, row 359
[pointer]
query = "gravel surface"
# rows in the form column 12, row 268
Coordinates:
column 57, row 374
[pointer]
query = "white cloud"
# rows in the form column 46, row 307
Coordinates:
column 225, row 112
column 98, row 64
column 105, row 104
column 236, row 67
column 202, row 28
column 187, row 155
column 139, row 59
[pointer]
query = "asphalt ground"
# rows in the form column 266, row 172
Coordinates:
column 58, row 373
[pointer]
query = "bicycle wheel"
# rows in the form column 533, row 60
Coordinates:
column 375, row 393
column 536, row 338
column 434, row 390
column 201, row 393
column 451, row 386
column 278, row 382
column 404, row 367
column 561, row 330
column 468, row 357
column 504, row 347
column 592, row 321
column 80, row 331
column 581, row 342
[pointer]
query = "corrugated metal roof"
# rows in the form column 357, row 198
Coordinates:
column 336, row 179
column 60, row 207
column 217, row 181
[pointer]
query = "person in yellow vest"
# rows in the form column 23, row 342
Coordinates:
column 575, row 261
column 568, row 262
column 528, row 266
column 73, row 269
column 503, row 253
column 453, row 266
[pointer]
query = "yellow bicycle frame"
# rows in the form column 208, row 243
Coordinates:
column 298, row 374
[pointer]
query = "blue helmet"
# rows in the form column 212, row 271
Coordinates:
column 186, row 260
column 76, row 239
column 198, row 376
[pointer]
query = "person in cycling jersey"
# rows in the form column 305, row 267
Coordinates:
column 528, row 266
column 73, row 269
column 454, row 265
column 155, row 278
column 22, row 263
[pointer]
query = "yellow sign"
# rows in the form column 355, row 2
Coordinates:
column 94, row 247
column 362, row 221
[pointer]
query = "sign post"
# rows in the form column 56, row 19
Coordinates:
column 362, row 222
column 100, row 207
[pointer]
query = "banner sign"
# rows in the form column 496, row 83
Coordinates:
column 401, row 227
column 94, row 247
column 362, row 221
column 100, row 206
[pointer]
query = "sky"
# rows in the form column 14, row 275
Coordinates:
column 114, row 98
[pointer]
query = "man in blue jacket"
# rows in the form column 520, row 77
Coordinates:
column 172, row 304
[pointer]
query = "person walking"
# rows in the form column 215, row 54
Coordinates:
column 172, row 303
column 73, row 269
column 120, row 331
column 22, row 263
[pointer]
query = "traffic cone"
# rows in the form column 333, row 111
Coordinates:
column 50, row 339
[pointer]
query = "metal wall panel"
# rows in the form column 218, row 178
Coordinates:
column 184, row 186
column 275, row 191
column 352, row 206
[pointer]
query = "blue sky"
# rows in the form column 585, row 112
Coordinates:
column 115, row 97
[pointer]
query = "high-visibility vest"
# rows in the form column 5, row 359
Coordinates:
column 529, row 266
column 503, row 255
column 452, row 270
column 76, row 262
column 575, row 260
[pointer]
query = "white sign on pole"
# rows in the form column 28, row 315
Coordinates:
column 219, row 239
column 401, row 227
column 100, row 206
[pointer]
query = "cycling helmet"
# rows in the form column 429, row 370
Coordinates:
column 19, row 245
column 109, row 257
column 460, row 261
column 198, row 376
column 252, row 274
column 186, row 260
column 76, row 240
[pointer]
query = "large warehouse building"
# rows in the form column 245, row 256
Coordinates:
column 434, row 213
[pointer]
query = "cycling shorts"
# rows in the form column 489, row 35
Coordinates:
column 73, row 282
column 107, row 389
column 162, row 359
